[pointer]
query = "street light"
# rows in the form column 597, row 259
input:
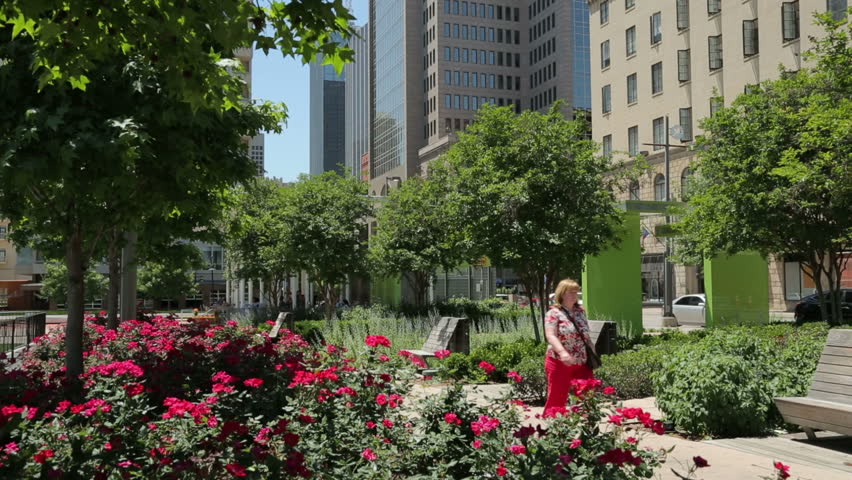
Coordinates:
column 668, row 273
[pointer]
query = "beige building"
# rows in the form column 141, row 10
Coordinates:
column 17, row 271
column 680, row 60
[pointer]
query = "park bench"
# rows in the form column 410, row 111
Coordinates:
column 828, row 405
column 284, row 318
column 450, row 333
column 603, row 335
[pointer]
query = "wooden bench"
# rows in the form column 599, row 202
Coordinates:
column 450, row 333
column 828, row 405
column 604, row 336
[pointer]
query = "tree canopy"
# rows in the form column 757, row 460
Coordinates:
column 55, row 282
column 530, row 193
column 775, row 168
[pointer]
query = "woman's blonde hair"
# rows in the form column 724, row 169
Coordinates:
column 564, row 287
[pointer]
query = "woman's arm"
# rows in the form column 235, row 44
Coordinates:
column 551, row 333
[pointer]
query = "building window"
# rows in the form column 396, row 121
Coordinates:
column 606, row 99
column 446, row 6
column 628, row 4
column 657, row 78
column 464, row 8
column 446, row 29
column 656, row 28
column 607, row 145
column 2, row 255
column 633, row 141
column 837, row 8
column 716, row 104
column 457, row 103
column 455, row 7
column 683, row 65
column 605, row 54
column 682, row 14
column 714, row 46
column 457, row 78
column 448, row 77
column 3, row 232
column 604, row 12
column 686, row 123
column 630, row 40
column 448, row 101
column 659, row 133
column 714, row 7
column 660, row 187
column 632, row 89
column 474, row 100
column 684, row 183
column 750, row 39
column 797, row 284
column 447, row 54
column 790, row 20
column 633, row 190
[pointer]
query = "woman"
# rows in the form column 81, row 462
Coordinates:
column 567, row 331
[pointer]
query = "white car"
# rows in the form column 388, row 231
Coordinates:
column 690, row 309
column 579, row 298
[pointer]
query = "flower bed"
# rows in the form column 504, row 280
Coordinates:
column 165, row 399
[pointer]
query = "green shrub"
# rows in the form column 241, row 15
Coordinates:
column 725, row 384
column 630, row 372
column 534, row 385
column 504, row 356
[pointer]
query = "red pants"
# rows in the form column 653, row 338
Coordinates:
column 559, row 378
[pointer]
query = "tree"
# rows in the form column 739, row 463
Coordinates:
column 55, row 284
column 167, row 272
column 325, row 231
column 775, row 170
column 415, row 236
column 255, row 236
column 530, row 194
column 125, row 118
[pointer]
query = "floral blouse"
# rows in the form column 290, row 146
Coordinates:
column 568, row 335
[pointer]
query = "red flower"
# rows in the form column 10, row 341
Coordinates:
column 387, row 423
column 370, row 455
column 43, row 455
column 518, row 449
column 477, row 444
column 609, row 390
column 783, row 470
column 377, row 340
column 381, row 399
column 442, row 354
column 236, row 469
column 616, row 419
column 452, row 418
column 484, row 425
column 371, row 425
column 501, row 469
column 700, row 462
column 384, row 358
column 575, row 443
column 134, row 389
column 619, row 457
column 253, row 382
column 515, row 376
column 524, row 432
column 486, row 366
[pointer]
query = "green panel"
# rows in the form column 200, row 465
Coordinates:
column 387, row 291
column 612, row 281
column 737, row 289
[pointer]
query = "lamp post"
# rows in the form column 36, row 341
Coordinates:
column 668, row 268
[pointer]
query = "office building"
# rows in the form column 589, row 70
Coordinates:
column 328, row 120
column 357, row 106
column 682, row 61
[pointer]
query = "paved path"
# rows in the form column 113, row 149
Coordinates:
column 730, row 459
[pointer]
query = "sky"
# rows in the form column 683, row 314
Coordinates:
column 283, row 80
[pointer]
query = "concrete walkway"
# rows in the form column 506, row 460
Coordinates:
column 730, row 459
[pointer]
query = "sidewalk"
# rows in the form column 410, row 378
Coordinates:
column 730, row 459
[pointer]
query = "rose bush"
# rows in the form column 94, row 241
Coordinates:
column 167, row 399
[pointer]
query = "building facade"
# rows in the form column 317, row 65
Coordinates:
column 680, row 63
column 357, row 106
column 328, row 119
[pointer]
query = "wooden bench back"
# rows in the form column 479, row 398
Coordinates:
column 603, row 336
column 833, row 377
column 450, row 333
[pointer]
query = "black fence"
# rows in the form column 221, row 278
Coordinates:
column 18, row 329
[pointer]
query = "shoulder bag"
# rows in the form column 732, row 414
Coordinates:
column 593, row 361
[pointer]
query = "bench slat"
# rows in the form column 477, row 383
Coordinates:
column 844, row 390
column 839, row 351
column 835, row 369
column 838, row 338
column 816, row 410
column 844, row 380
column 836, row 360
column 819, row 425
column 830, row 397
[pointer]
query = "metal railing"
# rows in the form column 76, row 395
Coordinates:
column 19, row 329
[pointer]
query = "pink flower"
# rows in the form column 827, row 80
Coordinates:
column 501, row 469
column 452, row 418
column 515, row 376
column 518, row 449
column 370, row 455
column 43, row 455
column 224, row 377
column 381, row 399
column 783, row 470
column 484, row 425
column 384, row 358
column 632, row 440
column 442, row 354
column 486, row 366
column 477, row 444
column 575, row 443
column 236, row 469
column 387, row 423
column 616, row 419
column 700, row 462
column 11, row 448
column 371, row 425
column 134, row 389
column 377, row 340
column 609, row 390
column 253, row 382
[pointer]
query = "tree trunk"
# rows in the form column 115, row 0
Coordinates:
column 114, row 282
column 74, row 325
column 836, row 267
column 330, row 300
column 816, row 264
column 529, row 285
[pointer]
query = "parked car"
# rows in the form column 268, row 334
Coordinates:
column 807, row 310
column 690, row 309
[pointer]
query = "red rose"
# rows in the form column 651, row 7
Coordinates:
column 236, row 469
column 377, row 340
column 43, row 455
column 486, row 366
column 783, row 470
column 700, row 462
column 253, row 382
column 442, row 354
column 370, row 455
